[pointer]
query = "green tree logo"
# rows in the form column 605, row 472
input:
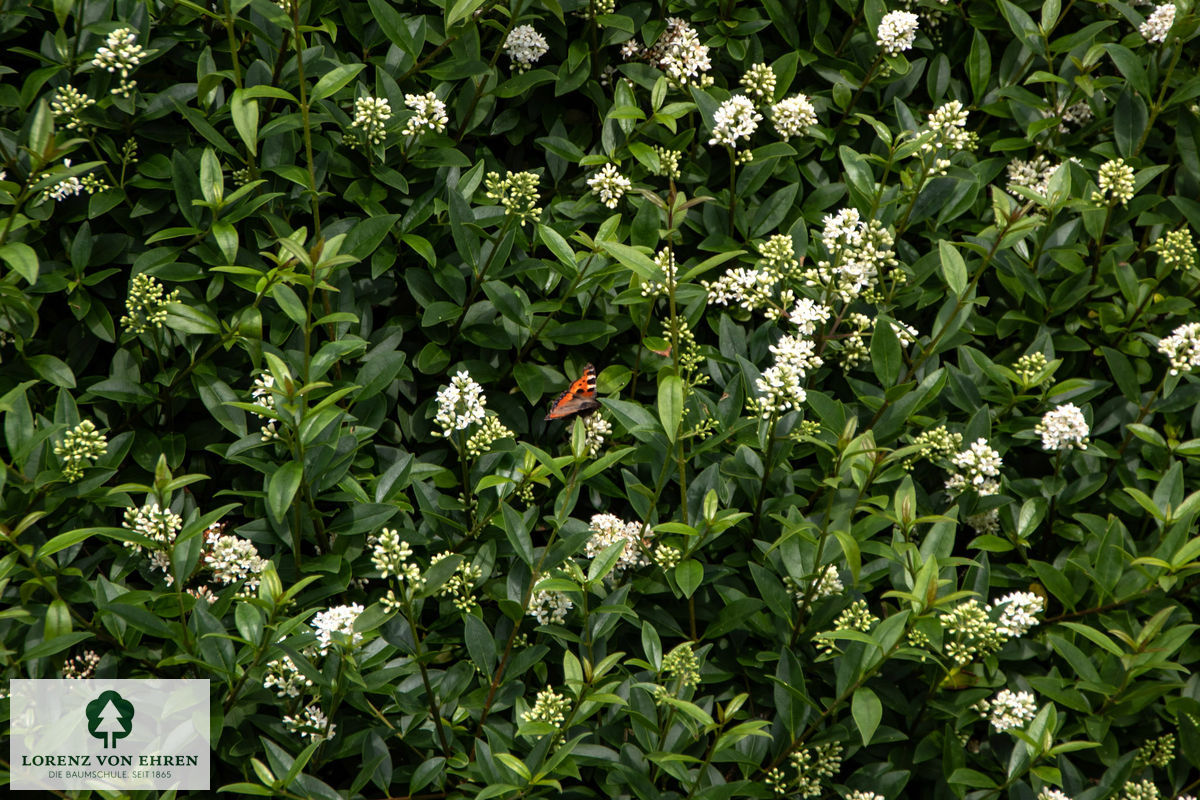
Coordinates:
column 110, row 717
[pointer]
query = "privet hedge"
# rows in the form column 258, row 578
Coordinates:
column 891, row 488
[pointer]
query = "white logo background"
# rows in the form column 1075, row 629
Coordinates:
column 49, row 726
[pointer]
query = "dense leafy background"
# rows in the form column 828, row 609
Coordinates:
column 363, row 279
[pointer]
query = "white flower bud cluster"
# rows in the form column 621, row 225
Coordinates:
column 147, row 304
column 120, row 53
column 80, row 446
column 550, row 707
column 371, row 115
column 1115, row 182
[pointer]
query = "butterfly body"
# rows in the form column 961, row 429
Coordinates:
column 579, row 398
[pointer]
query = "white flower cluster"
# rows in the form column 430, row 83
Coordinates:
column 336, row 624
column 550, row 707
column 549, row 607
column 664, row 259
column 120, row 53
column 232, row 559
column 68, row 102
column 858, row 252
column 1158, row 24
column 285, row 678
column 781, row 387
column 371, row 115
column 1115, row 182
column 82, row 666
column 610, row 185
column 525, row 46
column 1008, row 709
column 828, row 584
column 460, row 404
column 311, row 723
column 1018, row 613
column 948, row 124
column 1063, row 428
column 491, row 431
column 147, row 304
column 862, row 794
column 759, row 81
column 897, row 31
column 1055, row 794
column 793, row 115
column 429, row 114
column 160, row 525
column 390, row 554
column 607, row 530
column 595, row 429
column 460, row 586
column 735, row 119
column 749, row 288
column 980, row 466
column 80, row 446
column 680, row 55
column 1033, row 174
column 808, row 314
column 1182, row 347
column 262, row 395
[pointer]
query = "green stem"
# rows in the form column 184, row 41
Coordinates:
column 304, row 115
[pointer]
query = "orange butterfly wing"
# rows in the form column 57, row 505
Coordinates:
column 579, row 398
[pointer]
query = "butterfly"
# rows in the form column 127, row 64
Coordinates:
column 579, row 398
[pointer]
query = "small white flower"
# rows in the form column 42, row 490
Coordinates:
column 1158, row 24
column 339, row 621
column 948, row 123
column 232, row 559
column 897, row 31
column 525, row 46
column 793, row 115
column 430, row 114
column 735, row 119
column 460, row 404
column 609, row 184
column 1063, row 428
